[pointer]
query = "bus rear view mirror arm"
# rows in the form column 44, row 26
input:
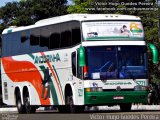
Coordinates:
column 154, row 53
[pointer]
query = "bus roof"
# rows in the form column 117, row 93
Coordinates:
column 71, row 17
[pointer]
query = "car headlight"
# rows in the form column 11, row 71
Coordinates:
column 94, row 89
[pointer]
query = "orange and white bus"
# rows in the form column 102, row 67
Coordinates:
column 73, row 61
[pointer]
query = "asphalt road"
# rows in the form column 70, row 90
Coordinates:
column 94, row 115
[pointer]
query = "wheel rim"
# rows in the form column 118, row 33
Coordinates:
column 19, row 104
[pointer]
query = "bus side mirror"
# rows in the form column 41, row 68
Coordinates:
column 154, row 52
column 81, row 56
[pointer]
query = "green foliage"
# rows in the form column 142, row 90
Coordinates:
column 79, row 7
column 26, row 12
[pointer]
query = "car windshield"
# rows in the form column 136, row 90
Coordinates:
column 117, row 62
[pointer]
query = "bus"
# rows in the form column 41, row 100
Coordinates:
column 73, row 61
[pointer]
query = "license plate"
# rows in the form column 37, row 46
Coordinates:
column 118, row 97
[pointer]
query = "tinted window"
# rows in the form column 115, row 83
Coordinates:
column 117, row 62
column 44, row 38
column 79, row 68
column 55, row 37
column 65, row 35
column 34, row 40
column 74, row 63
column 4, row 45
column 25, row 43
column 24, row 36
column 13, row 44
column 76, row 34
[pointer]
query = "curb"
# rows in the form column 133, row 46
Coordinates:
column 134, row 107
column 8, row 110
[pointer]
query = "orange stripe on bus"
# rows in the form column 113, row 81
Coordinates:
column 22, row 71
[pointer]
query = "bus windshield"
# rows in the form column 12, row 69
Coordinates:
column 112, row 30
column 117, row 62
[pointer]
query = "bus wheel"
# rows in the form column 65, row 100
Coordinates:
column 80, row 108
column 126, row 107
column 71, row 107
column 62, row 109
column 19, row 105
column 33, row 109
column 70, row 104
column 28, row 107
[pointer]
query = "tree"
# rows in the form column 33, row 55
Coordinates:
column 27, row 12
column 7, row 14
column 79, row 6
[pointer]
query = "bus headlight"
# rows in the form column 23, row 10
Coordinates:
column 94, row 89
column 139, row 87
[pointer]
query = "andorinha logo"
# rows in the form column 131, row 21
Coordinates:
column 118, row 83
column 47, row 58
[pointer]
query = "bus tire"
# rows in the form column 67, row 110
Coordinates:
column 125, row 107
column 71, row 107
column 70, row 104
column 28, row 108
column 33, row 109
column 19, row 105
column 62, row 108
column 80, row 109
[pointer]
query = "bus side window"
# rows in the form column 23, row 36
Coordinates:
column 25, row 42
column 74, row 63
column 13, row 44
column 4, row 46
column 76, row 36
column 55, row 37
column 65, row 35
column 34, row 40
column 76, row 33
column 44, row 38
column 79, row 69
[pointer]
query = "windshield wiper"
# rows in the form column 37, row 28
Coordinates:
column 100, row 69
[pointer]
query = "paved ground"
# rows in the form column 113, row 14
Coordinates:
column 93, row 115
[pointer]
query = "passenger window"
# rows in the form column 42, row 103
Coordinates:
column 79, row 69
column 35, row 36
column 25, row 43
column 13, row 44
column 44, row 38
column 76, row 33
column 55, row 37
column 74, row 63
column 65, row 35
column 34, row 40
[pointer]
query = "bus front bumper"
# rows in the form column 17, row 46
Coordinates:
column 115, row 97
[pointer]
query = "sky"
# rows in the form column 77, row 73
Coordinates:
column 3, row 2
